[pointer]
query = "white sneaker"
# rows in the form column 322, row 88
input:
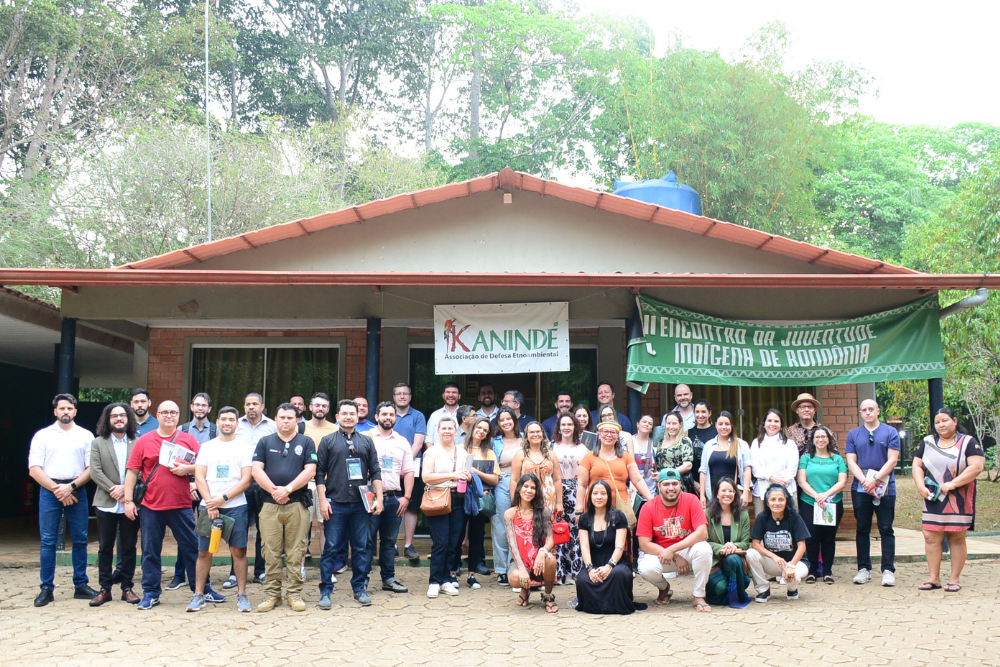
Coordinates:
column 433, row 590
column 888, row 578
column 863, row 576
column 449, row 589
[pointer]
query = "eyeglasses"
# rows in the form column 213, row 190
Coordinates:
column 119, row 416
column 168, row 413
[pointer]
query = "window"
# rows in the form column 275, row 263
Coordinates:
column 229, row 373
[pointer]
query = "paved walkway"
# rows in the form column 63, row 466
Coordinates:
column 829, row 625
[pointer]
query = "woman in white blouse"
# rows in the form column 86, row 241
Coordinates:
column 773, row 457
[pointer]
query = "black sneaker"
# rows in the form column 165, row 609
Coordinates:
column 410, row 552
column 473, row 584
column 84, row 592
column 174, row 584
column 792, row 595
column 502, row 580
column 764, row 597
column 44, row 597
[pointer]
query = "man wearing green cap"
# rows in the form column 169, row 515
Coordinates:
column 673, row 535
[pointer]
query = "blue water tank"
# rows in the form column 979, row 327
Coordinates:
column 665, row 192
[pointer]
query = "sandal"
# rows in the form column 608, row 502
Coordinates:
column 664, row 596
column 827, row 579
column 928, row 586
column 811, row 579
column 550, row 603
column 522, row 597
column 952, row 588
column 702, row 607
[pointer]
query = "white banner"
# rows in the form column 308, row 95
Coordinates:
column 501, row 338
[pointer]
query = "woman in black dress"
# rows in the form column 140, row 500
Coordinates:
column 604, row 585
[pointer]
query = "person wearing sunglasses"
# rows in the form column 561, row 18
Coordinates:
column 872, row 453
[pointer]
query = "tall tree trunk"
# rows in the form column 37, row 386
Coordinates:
column 475, row 99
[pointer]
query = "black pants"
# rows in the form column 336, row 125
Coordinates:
column 884, row 512
column 108, row 525
column 822, row 540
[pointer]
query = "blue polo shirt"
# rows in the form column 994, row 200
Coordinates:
column 411, row 424
column 151, row 424
column 873, row 453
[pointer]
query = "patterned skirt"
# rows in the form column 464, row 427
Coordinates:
column 570, row 560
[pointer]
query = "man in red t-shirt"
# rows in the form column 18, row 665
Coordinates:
column 672, row 534
column 167, row 501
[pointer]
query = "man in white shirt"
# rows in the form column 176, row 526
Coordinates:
column 488, row 399
column 253, row 426
column 451, row 395
column 222, row 472
column 59, row 460
column 116, row 435
column 396, row 461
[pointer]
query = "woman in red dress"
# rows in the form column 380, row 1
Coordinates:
column 529, row 533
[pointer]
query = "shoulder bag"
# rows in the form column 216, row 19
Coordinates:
column 437, row 501
column 623, row 506
column 560, row 531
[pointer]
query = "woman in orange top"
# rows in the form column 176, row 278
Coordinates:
column 612, row 463
column 537, row 457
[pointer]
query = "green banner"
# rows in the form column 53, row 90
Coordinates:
column 682, row 346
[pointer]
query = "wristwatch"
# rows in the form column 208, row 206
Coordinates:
column 73, row 485
column 225, row 497
column 289, row 489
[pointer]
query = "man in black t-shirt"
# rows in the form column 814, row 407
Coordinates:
column 283, row 464
column 347, row 460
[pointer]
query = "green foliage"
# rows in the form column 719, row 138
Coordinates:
column 98, row 395
column 746, row 135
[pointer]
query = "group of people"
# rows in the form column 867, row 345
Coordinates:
column 579, row 499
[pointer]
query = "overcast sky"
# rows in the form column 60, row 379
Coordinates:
column 934, row 64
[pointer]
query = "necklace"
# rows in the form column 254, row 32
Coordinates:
column 604, row 533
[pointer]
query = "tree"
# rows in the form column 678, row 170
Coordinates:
column 746, row 135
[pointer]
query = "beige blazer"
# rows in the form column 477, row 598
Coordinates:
column 104, row 469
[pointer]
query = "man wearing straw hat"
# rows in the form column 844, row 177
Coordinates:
column 806, row 407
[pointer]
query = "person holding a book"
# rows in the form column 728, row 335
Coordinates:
column 486, row 467
column 222, row 472
column 163, row 459
column 872, row 453
column 283, row 464
column 822, row 478
column 397, row 469
column 945, row 468
column 779, row 545
column 347, row 462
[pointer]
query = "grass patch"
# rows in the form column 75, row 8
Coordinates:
column 909, row 506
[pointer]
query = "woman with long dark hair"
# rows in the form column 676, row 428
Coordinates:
column 779, row 545
column 729, row 537
column 604, row 583
column 822, row 477
column 537, row 457
column 588, row 431
column 945, row 467
column 725, row 455
column 484, row 466
column 529, row 533
column 773, row 458
column 506, row 443
column 569, row 451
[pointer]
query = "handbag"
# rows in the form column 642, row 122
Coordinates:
column 560, row 531
column 139, row 490
column 487, row 504
column 432, row 505
column 623, row 506
column 441, row 504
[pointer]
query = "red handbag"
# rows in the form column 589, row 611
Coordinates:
column 560, row 532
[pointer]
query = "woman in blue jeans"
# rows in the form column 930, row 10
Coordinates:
column 444, row 469
column 506, row 443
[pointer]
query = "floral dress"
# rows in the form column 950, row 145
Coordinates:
column 543, row 471
column 570, row 560
column 674, row 456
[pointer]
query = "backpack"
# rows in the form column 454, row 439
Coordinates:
column 213, row 430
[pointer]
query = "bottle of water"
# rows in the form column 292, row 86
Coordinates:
column 573, row 602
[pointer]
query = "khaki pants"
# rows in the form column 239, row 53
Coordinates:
column 698, row 556
column 762, row 567
column 283, row 528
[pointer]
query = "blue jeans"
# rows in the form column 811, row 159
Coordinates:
column 154, row 525
column 348, row 521
column 50, row 513
column 386, row 526
column 501, row 551
column 446, row 540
